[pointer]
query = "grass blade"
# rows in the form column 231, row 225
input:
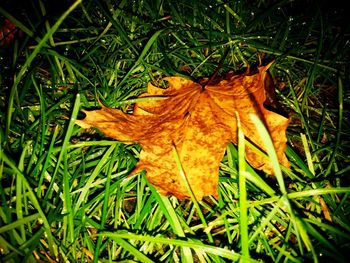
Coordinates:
column 27, row 63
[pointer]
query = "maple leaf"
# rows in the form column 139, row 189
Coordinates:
column 199, row 122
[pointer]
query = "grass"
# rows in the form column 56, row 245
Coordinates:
column 65, row 192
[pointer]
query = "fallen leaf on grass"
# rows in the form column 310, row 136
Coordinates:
column 199, row 122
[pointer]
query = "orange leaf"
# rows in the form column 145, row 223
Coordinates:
column 199, row 122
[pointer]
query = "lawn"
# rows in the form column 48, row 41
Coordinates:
column 66, row 192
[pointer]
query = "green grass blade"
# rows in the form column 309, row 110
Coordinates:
column 143, row 54
column 243, row 212
column 339, row 128
column 188, row 187
column 19, row 223
column 173, row 220
column 16, row 22
column 28, row 62
column 134, row 251
column 225, row 253
column 64, row 145
column 270, row 151
column 35, row 203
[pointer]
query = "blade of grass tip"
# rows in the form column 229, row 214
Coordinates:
column 307, row 153
column 321, row 239
column 233, row 13
column 134, row 251
column 300, row 231
column 42, row 112
column 303, row 231
column 265, row 222
column 28, row 62
column 295, row 159
column 51, row 109
column 118, row 26
column 322, row 123
column 52, row 246
column 47, row 160
column 72, row 69
column 302, row 117
column 193, row 198
column 251, row 175
column 52, row 42
column 172, row 217
column 339, row 128
column 93, row 44
column 34, row 158
column 146, row 206
column 168, row 211
column 64, row 145
column 140, row 58
column 95, row 173
column 189, row 190
column 243, row 215
column 231, row 164
column 270, row 149
column 177, row 17
column 141, row 197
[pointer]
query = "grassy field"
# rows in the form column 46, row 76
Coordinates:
column 65, row 193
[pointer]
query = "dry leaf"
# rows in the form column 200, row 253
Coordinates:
column 199, row 122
